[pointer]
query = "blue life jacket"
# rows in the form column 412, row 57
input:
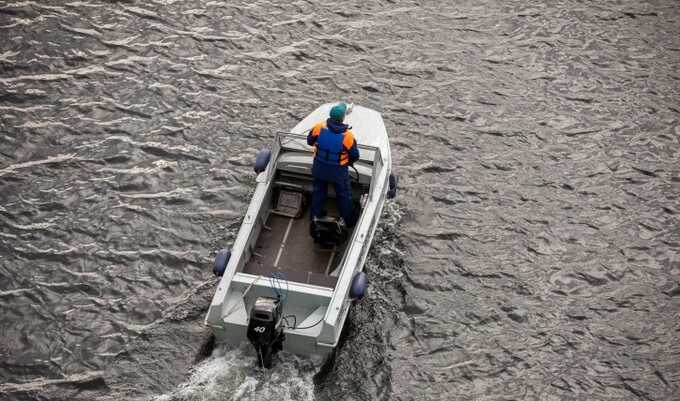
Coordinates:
column 330, row 148
column 334, row 149
column 334, row 143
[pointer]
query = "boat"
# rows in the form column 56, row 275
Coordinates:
column 287, row 283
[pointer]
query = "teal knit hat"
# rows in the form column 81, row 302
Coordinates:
column 338, row 112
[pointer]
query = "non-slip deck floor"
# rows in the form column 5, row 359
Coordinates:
column 286, row 247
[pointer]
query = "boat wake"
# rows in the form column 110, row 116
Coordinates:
column 233, row 374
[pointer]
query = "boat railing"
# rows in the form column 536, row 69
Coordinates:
column 291, row 141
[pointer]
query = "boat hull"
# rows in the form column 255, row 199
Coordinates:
column 316, row 309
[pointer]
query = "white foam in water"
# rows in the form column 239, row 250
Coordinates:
column 232, row 374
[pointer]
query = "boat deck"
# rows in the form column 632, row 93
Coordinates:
column 285, row 246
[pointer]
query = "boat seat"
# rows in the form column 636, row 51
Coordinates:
column 303, row 183
column 288, row 204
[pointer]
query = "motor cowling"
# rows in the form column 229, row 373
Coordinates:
column 265, row 330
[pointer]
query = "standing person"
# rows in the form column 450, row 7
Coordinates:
column 334, row 150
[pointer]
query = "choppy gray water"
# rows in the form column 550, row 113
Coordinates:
column 533, row 252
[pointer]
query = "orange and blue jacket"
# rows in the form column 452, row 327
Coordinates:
column 334, row 143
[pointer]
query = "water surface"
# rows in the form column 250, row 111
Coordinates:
column 533, row 252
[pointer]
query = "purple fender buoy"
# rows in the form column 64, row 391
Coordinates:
column 262, row 160
column 221, row 260
column 392, row 191
column 359, row 285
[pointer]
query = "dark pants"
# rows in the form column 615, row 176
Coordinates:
column 338, row 176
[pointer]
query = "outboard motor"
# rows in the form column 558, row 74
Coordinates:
column 265, row 329
column 328, row 231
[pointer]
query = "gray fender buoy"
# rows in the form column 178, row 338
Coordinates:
column 221, row 260
column 392, row 191
column 359, row 285
column 262, row 160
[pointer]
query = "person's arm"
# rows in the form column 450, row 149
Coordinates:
column 314, row 134
column 353, row 153
column 351, row 145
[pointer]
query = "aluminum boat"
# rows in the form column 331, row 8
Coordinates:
column 288, row 283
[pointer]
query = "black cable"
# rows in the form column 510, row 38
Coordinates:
column 293, row 327
column 285, row 318
column 308, row 327
column 356, row 171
